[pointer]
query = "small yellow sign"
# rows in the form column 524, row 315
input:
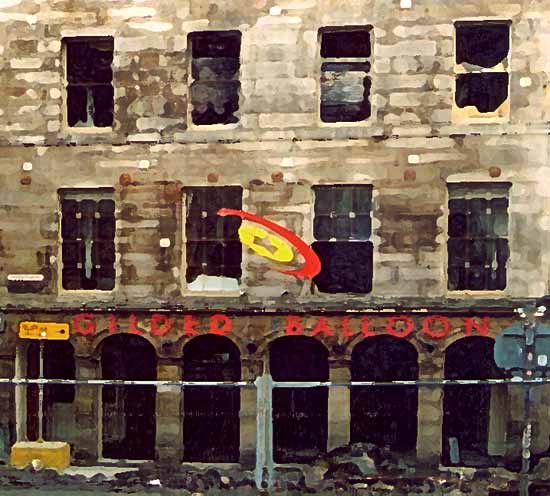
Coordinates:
column 44, row 330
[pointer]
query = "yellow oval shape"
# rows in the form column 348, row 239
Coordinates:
column 282, row 252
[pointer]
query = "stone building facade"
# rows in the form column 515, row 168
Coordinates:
column 116, row 117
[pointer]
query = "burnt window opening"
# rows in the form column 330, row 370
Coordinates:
column 213, row 247
column 215, row 69
column 478, row 249
column 88, row 240
column 342, row 228
column 345, row 83
column 90, row 93
column 128, row 412
column 385, row 416
column 300, row 415
column 211, row 425
column 482, row 53
column 467, row 409
column 59, row 363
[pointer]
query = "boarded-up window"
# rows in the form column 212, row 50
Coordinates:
column 89, row 81
column 215, row 71
column 213, row 247
column 482, row 64
column 345, row 84
column 88, row 234
column 478, row 236
column 342, row 228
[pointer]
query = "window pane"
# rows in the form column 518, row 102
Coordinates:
column 483, row 44
column 484, row 91
column 345, row 42
column 346, row 267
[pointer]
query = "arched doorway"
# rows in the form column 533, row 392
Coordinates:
column 59, row 415
column 211, row 424
column 466, row 408
column 128, row 416
column 300, row 419
column 385, row 415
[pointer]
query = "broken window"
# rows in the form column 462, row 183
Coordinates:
column 59, row 415
column 88, row 239
column 215, row 71
column 342, row 228
column 89, row 81
column 468, row 437
column 300, row 418
column 213, row 248
column 482, row 65
column 128, row 412
column 345, row 84
column 385, row 416
column 211, row 424
column 478, row 236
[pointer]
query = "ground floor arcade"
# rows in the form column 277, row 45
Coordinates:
column 285, row 388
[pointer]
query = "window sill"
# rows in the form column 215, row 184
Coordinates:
column 484, row 293
column 87, row 130
column 213, row 127
column 346, row 124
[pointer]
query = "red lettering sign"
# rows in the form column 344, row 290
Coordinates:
column 133, row 328
column 220, row 324
column 444, row 327
column 322, row 327
column 293, row 326
column 482, row 327
column 399, row 333
column 84, row 324
column 160, row 324
column 189, row 323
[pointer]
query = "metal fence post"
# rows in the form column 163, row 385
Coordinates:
column 263, row 473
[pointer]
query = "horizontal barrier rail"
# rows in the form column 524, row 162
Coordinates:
column 279, row 384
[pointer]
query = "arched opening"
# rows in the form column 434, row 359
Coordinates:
column 211, row 424
column 59, row 414
column 466, row 408
column 300, row 419
column 385, row 415
column 128, row 428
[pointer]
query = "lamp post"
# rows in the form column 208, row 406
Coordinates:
column 524, row 349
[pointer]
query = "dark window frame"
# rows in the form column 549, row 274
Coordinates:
column 204, row 239
column 84, row 91
column 343, row 238
column 484, row 86
column 337, row 59
column 227, row 75
column 87, row 267
column 475, row 233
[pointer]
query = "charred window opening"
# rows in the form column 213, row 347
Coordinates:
column 129, row 425
column 345, row 84
column 342, row 228
column 482, row 53
column 88, row 240
column 300, row 420
column 385, row 416
column 478, row 236
column 213, row 247
column 211, row 423
column 215, row 71
column 466, row 409
column 89, row 81
column 58, row 398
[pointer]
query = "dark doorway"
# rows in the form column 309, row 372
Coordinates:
column 129, row 423
column 466, row 408
column 300, row 419
column 211, row 426
column 386, row 415
column 58, row 398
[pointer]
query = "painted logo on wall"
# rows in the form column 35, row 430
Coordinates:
column 282, row 243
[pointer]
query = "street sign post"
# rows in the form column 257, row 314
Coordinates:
column 524, row 351
column 43, row 331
